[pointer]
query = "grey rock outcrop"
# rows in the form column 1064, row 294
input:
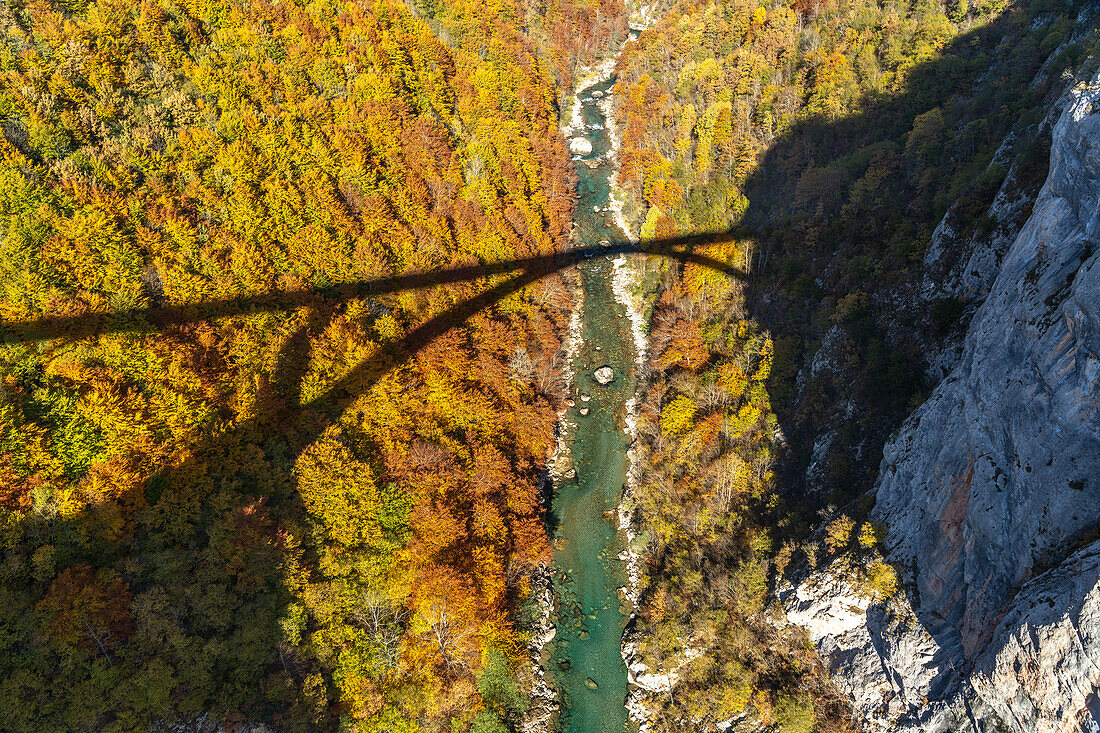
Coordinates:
column 1000, row 469
column 880, row 655
column 1039, row 673
column 1042, row 671
column 207, row 724
column 995, row 478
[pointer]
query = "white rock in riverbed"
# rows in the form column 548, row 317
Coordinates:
column 580, row 146
column 604, row 374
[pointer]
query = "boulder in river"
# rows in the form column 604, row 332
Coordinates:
column 585, row 397
column 597, row 94
column 570, row 474
column 583, row 411
column 580, row 146
column 570, row 402
column 604, row 374
column 591, row 683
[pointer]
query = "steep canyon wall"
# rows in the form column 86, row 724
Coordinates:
column 990, row 493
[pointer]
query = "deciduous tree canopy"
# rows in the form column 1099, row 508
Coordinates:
column 211, row 518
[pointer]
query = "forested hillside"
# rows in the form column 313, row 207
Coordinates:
column 825, row 140
column 291, row 510
column 239, row 485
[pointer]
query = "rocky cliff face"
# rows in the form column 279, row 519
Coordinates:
column 993, row 480
column 1000, row 469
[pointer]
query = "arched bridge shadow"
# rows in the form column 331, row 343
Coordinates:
column 528, row 269
column 525, row 271
column 211, row 502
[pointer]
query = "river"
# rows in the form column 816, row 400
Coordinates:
column 586, row 665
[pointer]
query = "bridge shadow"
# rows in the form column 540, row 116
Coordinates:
column 326, row 305
column 241, row 494
column 527, row 270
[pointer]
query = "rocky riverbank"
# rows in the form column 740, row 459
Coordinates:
column 579, row 650
column 560, row 589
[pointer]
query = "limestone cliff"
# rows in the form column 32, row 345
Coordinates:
column 986, row 490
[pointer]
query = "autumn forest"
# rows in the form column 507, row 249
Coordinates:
column 261, row 463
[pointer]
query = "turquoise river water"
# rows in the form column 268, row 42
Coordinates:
column 586, row 665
